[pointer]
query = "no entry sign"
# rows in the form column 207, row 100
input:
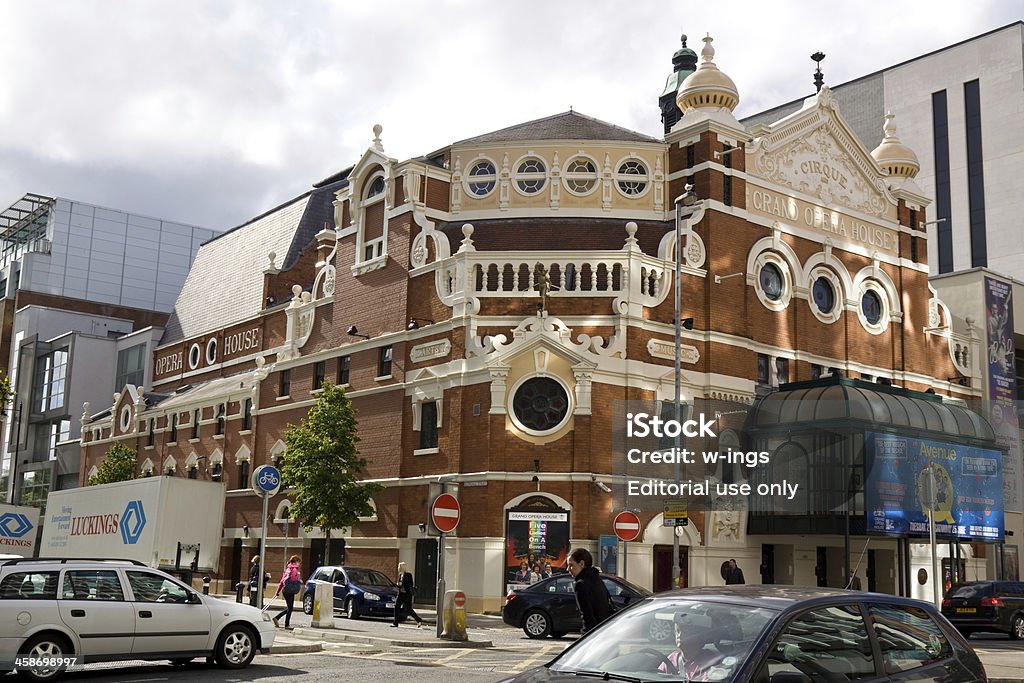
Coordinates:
column 445, row 513
column 627, row 526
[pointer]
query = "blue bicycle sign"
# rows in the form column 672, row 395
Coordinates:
column 266, row 480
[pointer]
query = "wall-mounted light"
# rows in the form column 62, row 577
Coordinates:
column 245, row 530
column 353, row 331
column 414, row 323
column 686, row 323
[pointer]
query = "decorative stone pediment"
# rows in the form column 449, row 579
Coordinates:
column 556, row 333
column 814, row 151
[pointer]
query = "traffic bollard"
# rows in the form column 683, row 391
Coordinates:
column 323, row 606
column 206, row 585
column 239, row 587
column 454, row 616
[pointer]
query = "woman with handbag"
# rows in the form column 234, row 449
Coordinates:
column 403, row 604
column 290, row 586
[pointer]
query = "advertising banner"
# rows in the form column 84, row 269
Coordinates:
column 968, row 488
column 1002, row 384
column 19, row 527
column 536, row 545
column 609, row 559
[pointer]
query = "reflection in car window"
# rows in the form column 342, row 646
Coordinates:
column 970, row 590
column 29, row 586
column 91, row 584
column 908, row 637
column 613, row 588
column 153, row 588
column 827, row 644
column 563, row 584
column 368, row 577
column 710, row 641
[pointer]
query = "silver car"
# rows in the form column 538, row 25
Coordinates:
column 59, row 614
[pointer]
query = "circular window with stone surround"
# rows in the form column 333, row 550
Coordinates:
column 825, row 295
column 774, row 281
column 874, row 307
column 540, row 405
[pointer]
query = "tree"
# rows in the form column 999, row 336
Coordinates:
column 321, row 465
column 117, row 465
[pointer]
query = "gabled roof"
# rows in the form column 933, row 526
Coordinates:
column 570, row 125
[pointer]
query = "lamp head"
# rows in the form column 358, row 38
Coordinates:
column 688, row 197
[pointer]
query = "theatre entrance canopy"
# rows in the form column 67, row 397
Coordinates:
column 863, row 456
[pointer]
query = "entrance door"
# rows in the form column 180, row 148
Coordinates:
column 426, row 570
column 663, row 567
column 767, row 563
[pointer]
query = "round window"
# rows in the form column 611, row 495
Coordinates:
column 194, row 354
column 871, row 306
column 482, row 178
column 632, row 177
column 824, row 295
column 580, row 176
column 540, row 404
column 770, row 278
column 531, row 176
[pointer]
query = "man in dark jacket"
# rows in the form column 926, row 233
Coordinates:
column 592, row 597
column 733, row 574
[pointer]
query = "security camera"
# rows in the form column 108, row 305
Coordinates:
column 353, row 330
column 601, row 485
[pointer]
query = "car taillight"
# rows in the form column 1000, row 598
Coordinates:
column 991, row 602
column 509, row 597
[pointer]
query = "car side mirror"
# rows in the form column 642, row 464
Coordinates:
column 194, row 599
column 790, row 677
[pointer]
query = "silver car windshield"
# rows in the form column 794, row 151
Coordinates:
column 670, row 640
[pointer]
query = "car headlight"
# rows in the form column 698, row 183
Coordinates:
column 371, row 596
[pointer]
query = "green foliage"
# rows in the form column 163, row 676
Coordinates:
column 6, row 392
column 322, row 465
column 118, row 465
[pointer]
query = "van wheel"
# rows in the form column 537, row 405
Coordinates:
column 536, row 624
column 307, row 604
column 236, row 647
column 45, row 645
column 1017, row 629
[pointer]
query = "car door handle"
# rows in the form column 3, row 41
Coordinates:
column 78, row 612
column 145, row 614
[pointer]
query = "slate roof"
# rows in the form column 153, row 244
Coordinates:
column 570, row 125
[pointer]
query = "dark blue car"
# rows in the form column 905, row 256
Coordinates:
column 359, row 591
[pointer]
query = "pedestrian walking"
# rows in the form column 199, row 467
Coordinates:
column 289, row 587
column 733, row 574
column 403, row 604
column 854, row 583
column 592, row 597
column 254, row 579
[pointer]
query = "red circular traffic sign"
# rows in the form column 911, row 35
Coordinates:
column 460, row 599
column 445, row 513
column 627, row 526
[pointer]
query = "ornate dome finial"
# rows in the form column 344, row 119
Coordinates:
column 707, row 87
column 893, row 156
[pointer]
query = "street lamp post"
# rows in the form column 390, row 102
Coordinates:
column 689, row 210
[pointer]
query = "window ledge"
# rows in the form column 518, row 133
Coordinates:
column 316, row 392
column 382, row 378
column 244, row 432
column 426, row 451
column 149, row 448
column 172, row 443
column 193, row 440
column 286, row 397
column 370, row 266
column 219, row 436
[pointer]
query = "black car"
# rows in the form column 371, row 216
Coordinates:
column 548, row 607
column 986, row 606
column 769, row 634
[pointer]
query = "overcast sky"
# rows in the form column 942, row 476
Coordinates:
column 212, row 112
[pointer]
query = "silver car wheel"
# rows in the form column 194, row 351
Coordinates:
column 536, row 625
column 1018, row 627
column 237, row 647
column 41, row 648
column 660, row 630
